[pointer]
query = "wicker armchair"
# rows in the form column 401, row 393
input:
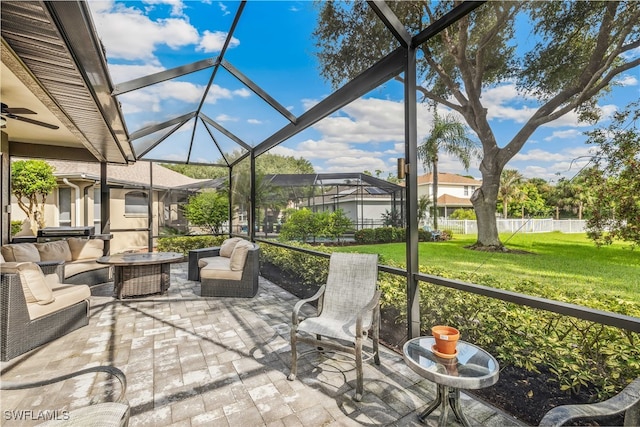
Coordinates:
column 348, row 307
column 20, row 333
column 217, row 279
column 104, row 414
column 627, row 402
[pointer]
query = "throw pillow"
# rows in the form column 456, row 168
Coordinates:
column 54, row 251
column 228, row 245
column 34, row 284
column 21, row 252
column 239, row 255
column 85, row 248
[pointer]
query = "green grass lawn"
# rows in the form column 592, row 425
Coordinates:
column 563, row 261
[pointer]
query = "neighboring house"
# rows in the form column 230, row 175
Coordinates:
column 363, row 205
column 454, row 191
column 76, row 201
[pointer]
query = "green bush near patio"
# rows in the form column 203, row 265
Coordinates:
column 578, row 353
column 184, row 244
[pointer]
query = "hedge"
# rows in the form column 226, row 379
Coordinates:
column 579, row 353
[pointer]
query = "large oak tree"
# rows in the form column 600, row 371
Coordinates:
column 574, row 53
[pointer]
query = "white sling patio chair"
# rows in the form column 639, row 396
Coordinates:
column 348, row 307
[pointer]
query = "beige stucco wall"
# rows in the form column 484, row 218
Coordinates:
column 122, row 240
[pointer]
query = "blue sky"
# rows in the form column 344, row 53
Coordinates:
column 273, row 46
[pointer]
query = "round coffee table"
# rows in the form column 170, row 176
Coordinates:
column 472, row 368
column 140, row 274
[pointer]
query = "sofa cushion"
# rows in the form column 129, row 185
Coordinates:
column 75, row 267
column 228, row 245
column 54, row 251
column 34, row 284
column 239, row 255
column 65, row 296
column 85, row 248
column 20, row 252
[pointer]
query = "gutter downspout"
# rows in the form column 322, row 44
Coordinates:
column 77, row 189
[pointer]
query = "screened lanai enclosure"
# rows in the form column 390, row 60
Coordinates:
column 350, row 87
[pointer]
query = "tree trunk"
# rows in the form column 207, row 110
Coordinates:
column 580, row 210
column 484, row 201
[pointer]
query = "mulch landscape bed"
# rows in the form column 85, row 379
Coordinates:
column 524, row 395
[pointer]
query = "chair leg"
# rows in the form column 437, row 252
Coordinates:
column 376, row 337
column 359, row 381
column 294, row 357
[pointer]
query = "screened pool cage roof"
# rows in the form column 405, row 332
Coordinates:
column 237, row 103
column 374, row 185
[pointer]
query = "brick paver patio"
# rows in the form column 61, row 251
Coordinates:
column 193, row 361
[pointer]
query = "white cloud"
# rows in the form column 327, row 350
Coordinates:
column 226, row 118
column 217, row 92
column 254, row 121
column 214, row 41
column 121, row 73
column 177, row 6
column 538, row 155
column 224, row 8
column 370, row 120
column 128, row 34
column 564, row 134
column 627, row 80
column 150, row 98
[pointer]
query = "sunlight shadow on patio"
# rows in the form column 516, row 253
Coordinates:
column 222, row 361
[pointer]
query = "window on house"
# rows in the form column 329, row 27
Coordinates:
column 466, row 190
column 135, row 203
column 64, row 206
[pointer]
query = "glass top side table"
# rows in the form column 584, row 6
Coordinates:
column 472, row 368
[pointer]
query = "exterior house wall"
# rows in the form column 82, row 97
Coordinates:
column 363, row 213
column 122, row 241
column 457, row 190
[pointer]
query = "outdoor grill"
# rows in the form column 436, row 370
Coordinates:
column 61, row 232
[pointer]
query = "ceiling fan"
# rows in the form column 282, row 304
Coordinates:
column 12, row 113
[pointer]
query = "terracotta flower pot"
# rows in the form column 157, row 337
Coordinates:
column 446, row 338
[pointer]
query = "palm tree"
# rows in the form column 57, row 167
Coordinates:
column 510, row 181
column 450, row 136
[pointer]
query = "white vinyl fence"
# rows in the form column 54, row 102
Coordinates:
column 467, row 226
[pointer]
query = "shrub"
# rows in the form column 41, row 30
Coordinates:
column 385, row 234
column 365, row 236
column 579, row 353
column 16, row 227
column 463, row 214
column 184, row 244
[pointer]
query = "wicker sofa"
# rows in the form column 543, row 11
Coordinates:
column 35, row 307
column 230, row 270
column 78, row 255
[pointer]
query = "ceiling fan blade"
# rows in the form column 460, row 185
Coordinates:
column 33, row 122
column 18, row 110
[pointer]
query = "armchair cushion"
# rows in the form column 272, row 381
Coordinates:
column 54, row 251
column 34, row 284
column 239, row 255
column 85, row 248
column 20, row 252
column 228, row 246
